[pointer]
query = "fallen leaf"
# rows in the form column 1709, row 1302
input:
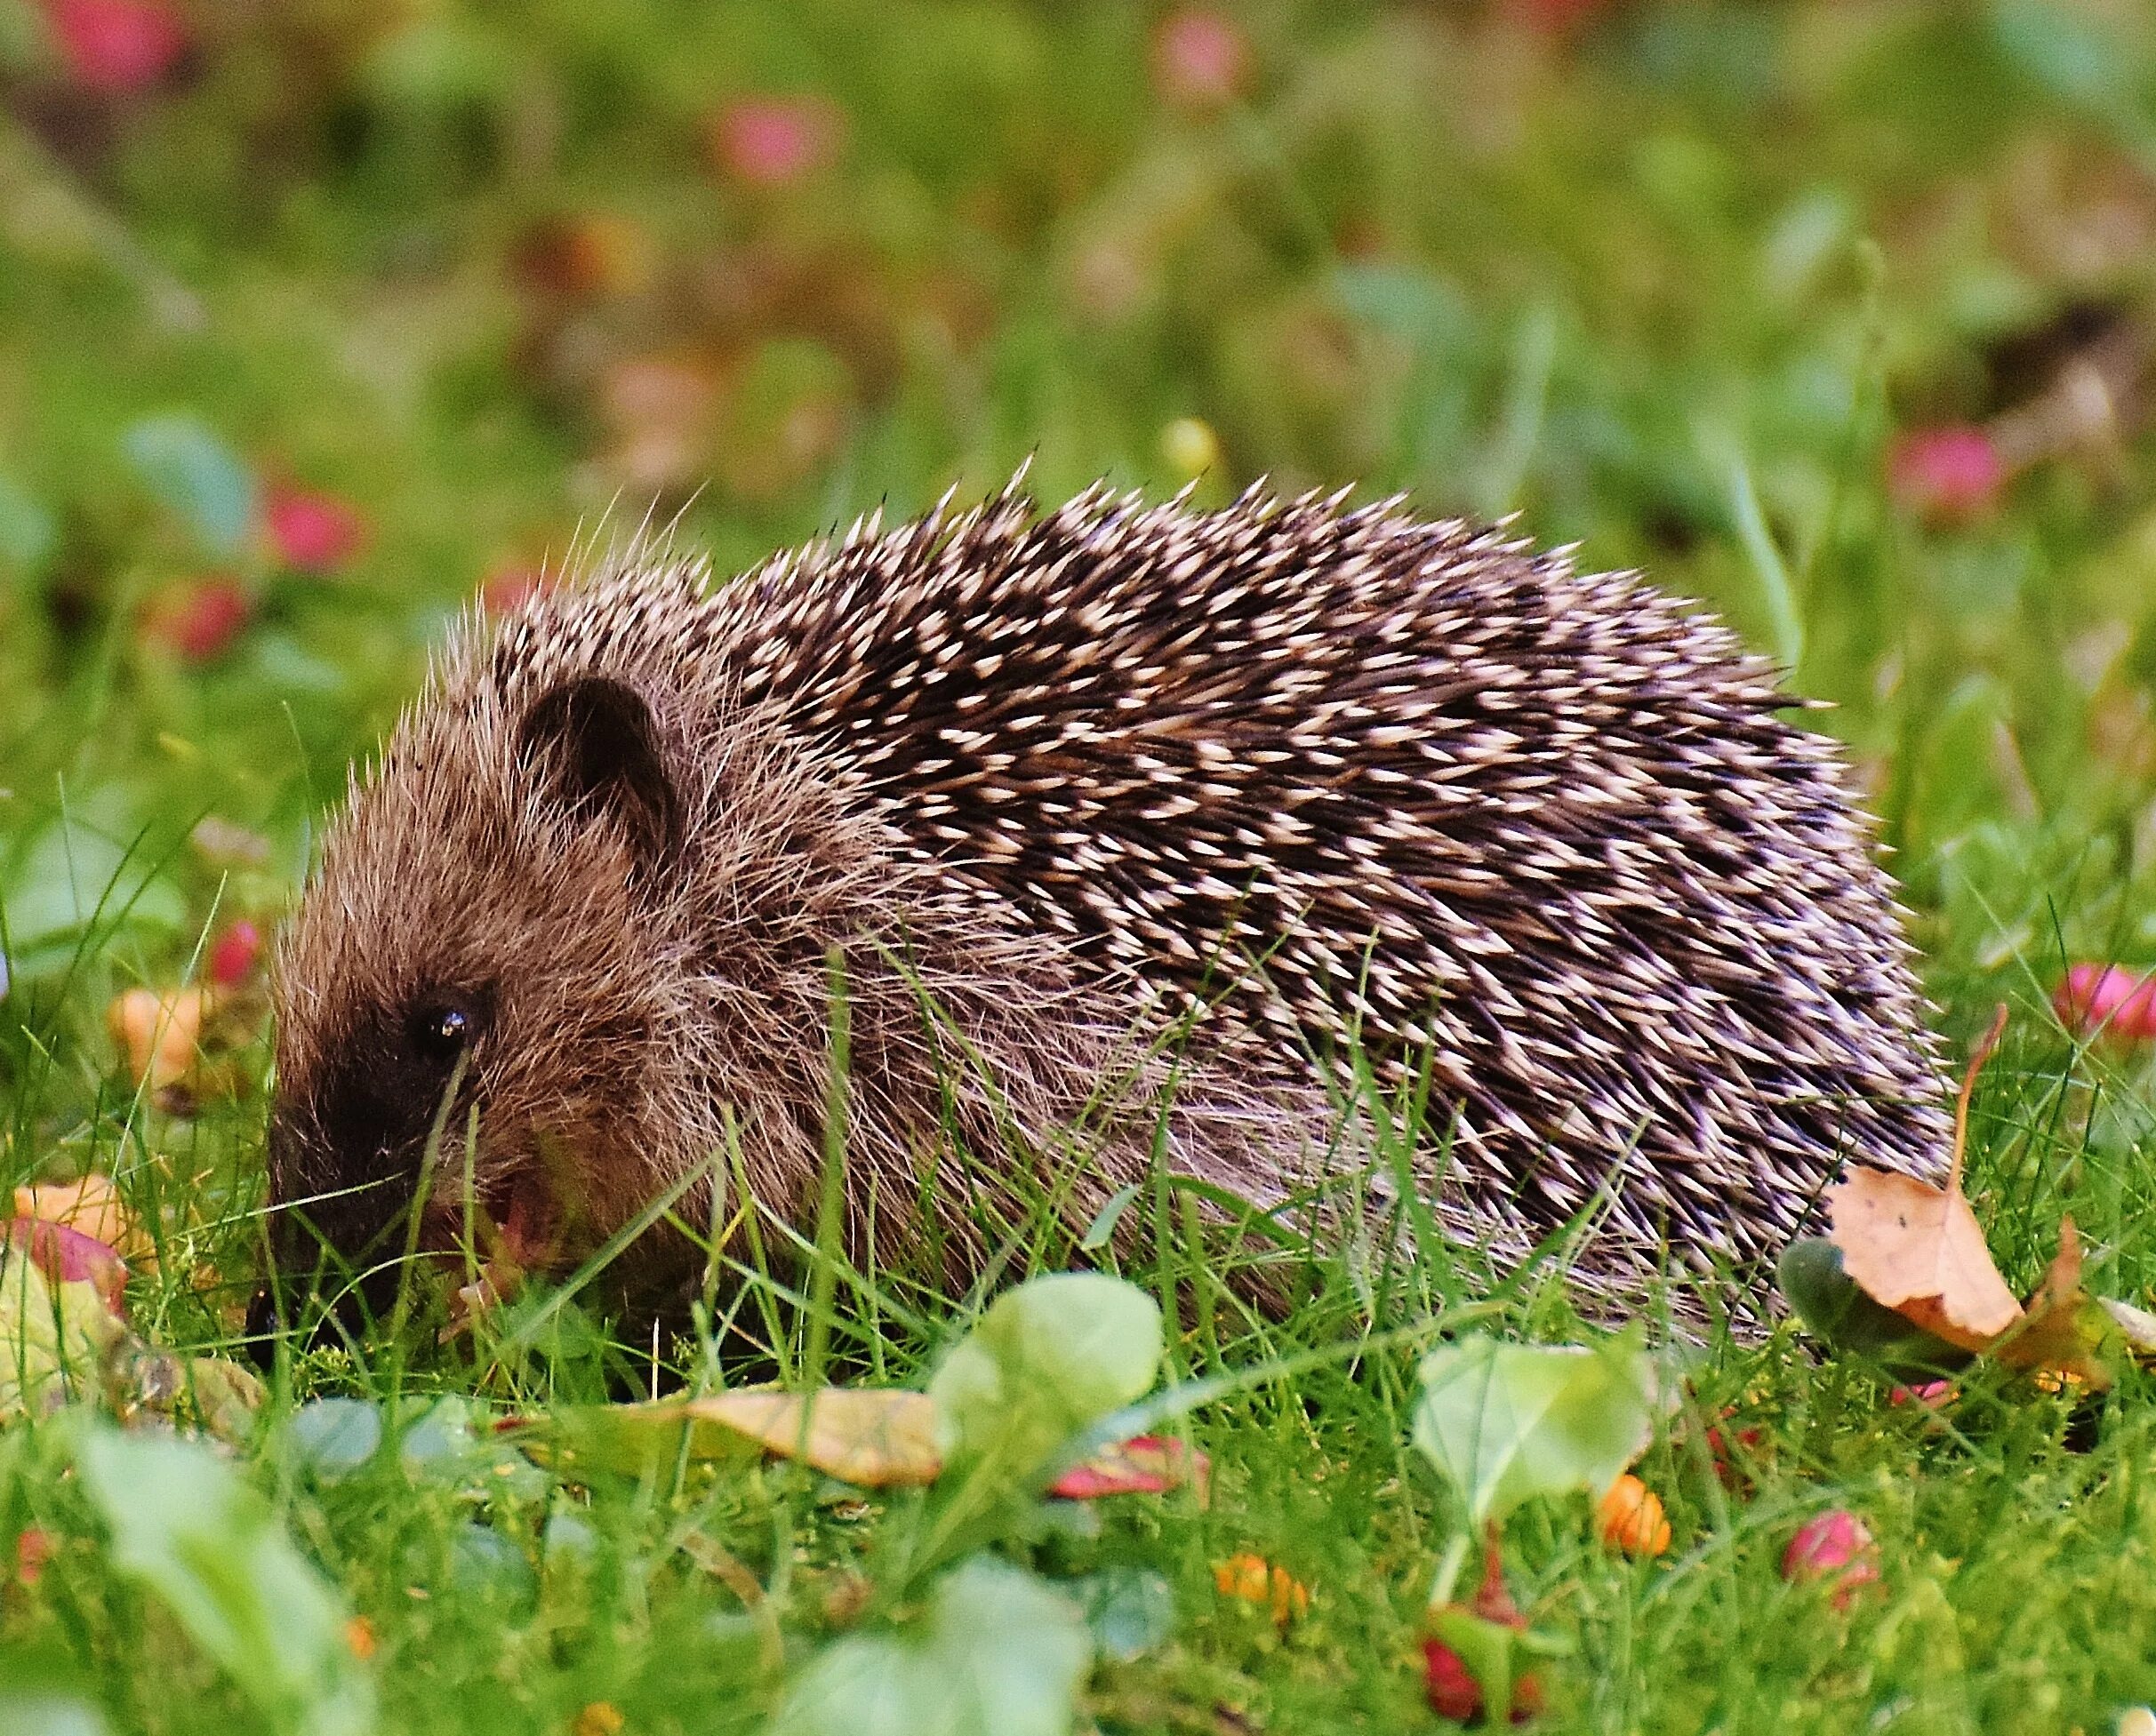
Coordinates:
column 1918, row 1248
column 1146, row 1464
column 2063, row 1330
column 67, row 1256
column 93, row 1207
column 1508, row 1422
column 158, row 1033
column 875, row 1437
column 879, row 1439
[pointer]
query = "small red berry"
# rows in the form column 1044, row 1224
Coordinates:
column 1453, row 1693
column 33, row 1548
column 310, row 531
column 232, row 957
column 200, row 620
column 118, row 46
column 775, row 141
column 1949, row 473
column 1201, row 59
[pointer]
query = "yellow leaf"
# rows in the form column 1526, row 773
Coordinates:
column 877, row 1438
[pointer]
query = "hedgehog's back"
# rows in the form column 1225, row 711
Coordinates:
column 1408, row 785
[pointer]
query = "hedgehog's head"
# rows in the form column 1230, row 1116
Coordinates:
column 486, row 948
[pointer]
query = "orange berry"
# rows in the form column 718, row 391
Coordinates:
column 1630, row 1518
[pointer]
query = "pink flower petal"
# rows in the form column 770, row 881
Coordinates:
column 2107, row 1000
column 775, row 141
column 310, row 531
column 1952, row 472
column 67, row 1256
column 118, row 46
column 1144, row 1465
column 1201, row 60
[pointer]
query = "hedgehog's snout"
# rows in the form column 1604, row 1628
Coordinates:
column 349, row 1134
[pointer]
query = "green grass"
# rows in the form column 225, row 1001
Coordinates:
column 1668, row 286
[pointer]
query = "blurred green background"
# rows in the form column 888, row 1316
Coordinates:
column 317, row 319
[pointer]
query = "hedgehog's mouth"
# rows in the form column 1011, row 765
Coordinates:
column 505, row 1238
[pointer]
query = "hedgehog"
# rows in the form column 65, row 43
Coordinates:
column 1012, row 856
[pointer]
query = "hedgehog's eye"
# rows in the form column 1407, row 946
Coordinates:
column 440, row 1033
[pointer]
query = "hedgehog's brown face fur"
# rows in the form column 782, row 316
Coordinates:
column 589, row 905
column 484, row 942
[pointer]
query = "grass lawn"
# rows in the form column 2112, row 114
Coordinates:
column 317, row 319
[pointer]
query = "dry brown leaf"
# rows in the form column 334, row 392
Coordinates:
column 2064, row 1327
column 1918, row 1248
column 159, row 1034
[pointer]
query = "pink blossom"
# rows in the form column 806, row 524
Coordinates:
column 1947, row 473
column 310, row 531
column 1834, row 1546
column 1201, row 59
column 772, row 141
column 2107, row 1000
column 118, row 47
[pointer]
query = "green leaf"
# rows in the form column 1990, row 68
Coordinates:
column 71, row 875
column 196, row 474
column 1002, row 1655
column 27, row 531
column 1835, row 1310
column 54, row 1340
column 1507, row 1422
column 1047, row 1359
column 333, row 1437
column 186, row 1526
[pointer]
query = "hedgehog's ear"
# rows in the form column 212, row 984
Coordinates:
column 599, row 747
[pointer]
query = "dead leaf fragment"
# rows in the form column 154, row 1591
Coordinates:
column 92, row 1207
column 871, row 1436
column 878, row 1439
column 1144, row 1465
column 1918, row 1249
column 159, row 1034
